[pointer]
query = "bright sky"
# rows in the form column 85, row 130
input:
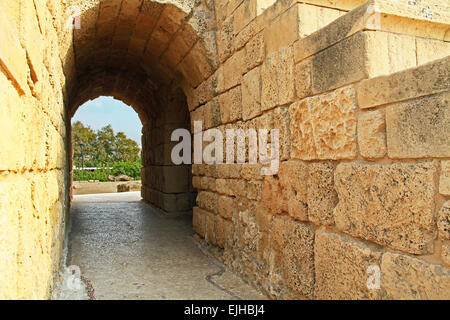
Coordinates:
column 107, row 110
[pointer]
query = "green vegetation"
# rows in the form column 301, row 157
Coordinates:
column 104, row 149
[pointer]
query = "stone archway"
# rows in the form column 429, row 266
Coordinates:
column 144, row 53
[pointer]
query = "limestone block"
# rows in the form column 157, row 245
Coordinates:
column 348, row 60
column 428, row 79
column 254, row 52
column 324, row 126
column 12, row 56
column 444, row 181
column 279, row 119
column 224, row 232
column 299, row 21
column 243, row 14
column 372, row 134
column 282, row 31
column 322, row 197
column 399, row 216
column 278, row 79
column 406, row 277
column 294, row 243
column 443, row 221
column 199, row 221
column 429, row 50
column 225, row 36
column 303, row 80
column 445, row 254
column 419, row 128
column 345, row 26
column 32, row 40
column 231, row 105
column 287, row 192
column 228, row 171
column 341, row 267
column 197, row 183
column 208, row 183
column 231, row 187
column 210, row 228
column 251, row 172
column 233, row 70
column 227, row 206
column 208, row 201
column 251, row 94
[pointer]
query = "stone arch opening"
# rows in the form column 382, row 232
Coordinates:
column 151, row 55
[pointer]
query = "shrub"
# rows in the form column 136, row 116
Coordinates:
column 131, row 169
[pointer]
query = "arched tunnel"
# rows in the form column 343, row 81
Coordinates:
column 149, row 55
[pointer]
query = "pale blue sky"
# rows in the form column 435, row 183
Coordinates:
column 107, row 110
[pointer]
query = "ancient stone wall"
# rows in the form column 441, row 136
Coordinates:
column 34, row 184
column 364, row 119
column 359, row 91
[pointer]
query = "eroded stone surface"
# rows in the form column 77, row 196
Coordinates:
column 294, row 245
column 341, row 265
column 391, row 205
column 443, row 221
column 419, row 128
column 444, row 180
column 322, row 197
column 406, row 277
column 372, row 134
column 287, row 192
column 324, row 126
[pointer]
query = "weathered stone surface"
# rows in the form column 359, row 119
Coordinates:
column 211, row 228
column 224, row 232
column 231, row 187
column 231, row 105
column 287, row 192
column 254, row 52
column 199, row 221
column 303, row 79
column 279, row 119
column 278, row 79
column 429, row 50
column 322, row 197
column 419, row 128
column 251, row 94
column 298, row 22
column 282, row 32
column 12, row 56
column 233, row 69
column 443, row 221
column 444, row 180
column 406, row 277
column 399, row 216
column 208, row 201
column 372, row 134
column 348, row 60
column 428, row 79
column 324, row 126
column 228, row 170
column 227, row 206
column 341, row 267
column 294, row 245
column 445, row 254
column 336, row 31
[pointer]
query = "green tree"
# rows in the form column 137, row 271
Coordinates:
column 86, row 136
column 102, row 148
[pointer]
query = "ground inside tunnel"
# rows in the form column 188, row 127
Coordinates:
column 126, row 249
